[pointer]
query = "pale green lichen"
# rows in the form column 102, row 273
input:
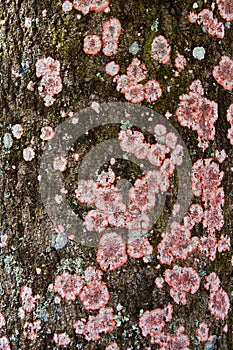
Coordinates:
column 155, row 25
column 71, row 265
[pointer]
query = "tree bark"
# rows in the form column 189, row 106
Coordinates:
column 54, row 33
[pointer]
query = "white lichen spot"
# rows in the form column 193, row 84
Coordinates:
column 58, row 198
column 7, row 140
column 96, row 107
column 17, row 131
column 107, row 10
column 31, row 85
column 59, row 240
column 67, row 6
column 60, row 163
column 28, row 154
column 134, row 48
column 48, row 100
column 28, row 22
column 47, row 133
column 199, row 53
column 195, row 5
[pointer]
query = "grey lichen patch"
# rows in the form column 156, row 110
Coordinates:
column 12, row 267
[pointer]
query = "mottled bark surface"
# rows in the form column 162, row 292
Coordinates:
column 22, row 214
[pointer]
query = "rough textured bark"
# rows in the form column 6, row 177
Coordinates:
column 22, row 214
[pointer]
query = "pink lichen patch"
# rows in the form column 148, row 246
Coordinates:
column 198, row 113
column 61, row 339
column 202, row 332
column 219, row 304
column 92, row 44
column 167, row 341
column 192, row 17
column 141, row 195
column 157, row 154
column 112, row 346
column 28, row 301
column 206, row 179
column 230, row 114
column 123, row 83
column 160, row 49
column 180, row 62
column 220, row 156
column 5, row 343
column 206, row 19
column 216, row 29
column 4, row 241
column 128, row 85
column 160, row 130
column 223, row 73
column 28, row 154
column 176, row 244
column 109, row 200
column 135, row 93
column 79, row 327
column 96, row 221
column 85, row 6
column 137, row 71
column 68, row 286
column 225, row 8
column 137, row 221
column 47, row 133
column 153, row 322
column 157, row 180
column 112, row 68
column 152, row 90
column 45, row 66
column 159, row 282
column 57, row 300
column 2, row 320
column 138, row 247
column 21, row 313
column 110, row 36
column 17, row 131
column 67, row 6
column 111, row 252
column 118, row 219
column 208, row 246
column 130, row 139
column 51, row 84
column 31, row 329
column 168, row 115
column 103, row 322
column 224, row 243
column 212, row 282
column 230, row 134
column 86, row 191
column 196, row 86
column 182, row 280
column 95, row 294
column 230, row 120
column 171, row 140
column 194, row 216
column 60, row 163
